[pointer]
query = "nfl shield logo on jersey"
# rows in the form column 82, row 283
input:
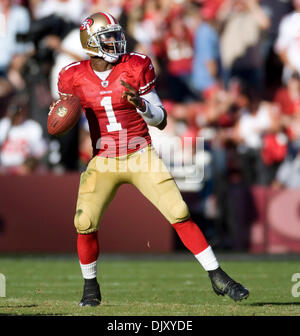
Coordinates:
column 104, row 84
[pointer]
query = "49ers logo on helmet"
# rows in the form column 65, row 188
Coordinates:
column 86, row 23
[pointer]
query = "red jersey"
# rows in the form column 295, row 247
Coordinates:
column 116, row 128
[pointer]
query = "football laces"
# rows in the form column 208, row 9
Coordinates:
column 52, row 106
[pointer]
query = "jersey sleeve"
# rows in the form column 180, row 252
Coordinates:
column 147, row 77
column 64, row 86
column 66, row 79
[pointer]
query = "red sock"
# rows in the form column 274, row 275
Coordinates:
column 87, row 247
column 191, row 236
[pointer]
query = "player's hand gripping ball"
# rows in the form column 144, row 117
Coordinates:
column 63, row 115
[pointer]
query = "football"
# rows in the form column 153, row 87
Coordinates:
column 63, row 115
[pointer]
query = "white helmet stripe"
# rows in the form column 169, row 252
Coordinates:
column 110, row 18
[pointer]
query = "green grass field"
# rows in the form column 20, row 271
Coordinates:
column 152, row 287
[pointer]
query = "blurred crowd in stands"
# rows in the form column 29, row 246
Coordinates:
column 228, row 71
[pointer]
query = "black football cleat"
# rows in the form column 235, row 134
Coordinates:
column 91, row 295
column 222, row 284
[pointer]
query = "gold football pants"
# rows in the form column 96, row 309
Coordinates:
column 143, row 169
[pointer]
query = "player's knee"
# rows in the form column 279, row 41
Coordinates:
column 180, row 212
column 83, row 222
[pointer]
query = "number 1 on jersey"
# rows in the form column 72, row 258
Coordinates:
column 113, row 124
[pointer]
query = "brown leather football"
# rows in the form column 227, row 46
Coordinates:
column 64, row 115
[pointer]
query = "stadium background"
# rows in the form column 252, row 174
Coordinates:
column 233, row 87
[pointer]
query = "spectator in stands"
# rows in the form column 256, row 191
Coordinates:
column 276, row 10
column 274, row 148
column 52, row 22
column 69, row 10
column 243, row 22
column 292, row 125
column 6, row 90
column 178, row 52
column 144, row 23
column 21, row 142
column 288, row 97
column 14, row 19
column 149, row 25
column 254, row 121
column 206, row 55
column 288, row 175
column 287, row 43
column 114, row 7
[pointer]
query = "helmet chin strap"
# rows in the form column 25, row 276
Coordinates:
column 108, row 58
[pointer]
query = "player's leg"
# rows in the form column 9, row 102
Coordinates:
column 88, row 252
column 157, row 184
column 96, row 190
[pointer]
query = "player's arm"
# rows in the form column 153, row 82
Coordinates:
column 64, row 84
column 155, row 113
column 148, row 106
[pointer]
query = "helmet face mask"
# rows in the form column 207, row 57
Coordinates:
column 112, row 42
column 102, row 36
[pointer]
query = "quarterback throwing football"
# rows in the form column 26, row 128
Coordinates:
column 117, row 93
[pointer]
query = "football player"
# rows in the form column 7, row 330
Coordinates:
column 117, row 94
